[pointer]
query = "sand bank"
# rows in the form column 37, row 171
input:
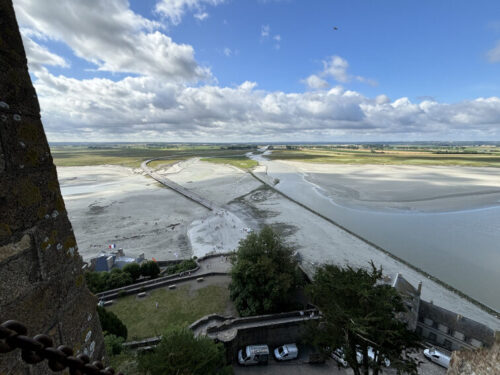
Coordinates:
column 113, row 204
column 397, row 187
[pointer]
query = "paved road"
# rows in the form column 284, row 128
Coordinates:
column 178, row 188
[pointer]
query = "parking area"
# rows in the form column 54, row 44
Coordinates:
column 300, row 366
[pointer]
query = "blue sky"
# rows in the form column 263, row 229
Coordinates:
column 393, row 70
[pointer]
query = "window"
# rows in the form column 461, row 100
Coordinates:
column 447, row 344
column 476, row 343
column 428, row 322
column 459, row 335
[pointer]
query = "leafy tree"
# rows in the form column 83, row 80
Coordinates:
column 113, row 344
column 265, row 274
column 134, row 270
column 358, row 311
column 179, row 352
column 150, row 268
column 118, row 278
column 111, row 324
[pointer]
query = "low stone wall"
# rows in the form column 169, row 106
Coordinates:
column 137, row 288
column 113, row 292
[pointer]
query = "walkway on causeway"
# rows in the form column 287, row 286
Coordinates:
column 178, row 188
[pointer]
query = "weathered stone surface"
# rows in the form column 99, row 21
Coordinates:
column 14, row 248
column 41, row 279
column 484, row 361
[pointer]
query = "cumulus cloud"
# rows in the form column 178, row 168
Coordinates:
column 336, row 67
column 40, row 55
column 494, row 54
column 315, row 82
column 174, row 10
column 227, row 51
column 149, row 109
column 113, row 37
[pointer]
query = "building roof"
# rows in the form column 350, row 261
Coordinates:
column 470, row 328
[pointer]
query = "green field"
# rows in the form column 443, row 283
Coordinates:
column 394, row 157
column 238, row 161
column 158, row 164
column 178, row 307
column 132, row 155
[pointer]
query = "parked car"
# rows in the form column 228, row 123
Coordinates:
column 253, row 355
column 339, row 356
column 437, row 357
column 286, row 352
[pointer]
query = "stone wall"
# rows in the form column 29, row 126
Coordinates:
column 484, row 361
column 41, row 281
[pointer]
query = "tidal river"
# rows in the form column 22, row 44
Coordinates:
column 462, row 248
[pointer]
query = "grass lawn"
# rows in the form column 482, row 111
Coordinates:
column 158, row 164
column 178, row 307
column 387, row 157
column 238, row 161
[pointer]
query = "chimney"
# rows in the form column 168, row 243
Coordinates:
column 419, row 288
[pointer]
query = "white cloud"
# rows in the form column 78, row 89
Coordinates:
column 38, row 55
column 315, row 82
column 337, row 67
column 494, row 53
column 227, row 51
column 334, row 67
column 201, row 16
column 264, row 31
column 174, row 10
column 277, row 38
column 108, row 34
column 145, row 108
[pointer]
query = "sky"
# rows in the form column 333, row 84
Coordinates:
column 264, row 70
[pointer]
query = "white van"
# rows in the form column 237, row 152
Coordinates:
column 286, row 352
column 253, row 355
column 437, row 357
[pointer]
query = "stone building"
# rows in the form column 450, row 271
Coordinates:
column 450, row 330
column 41, row 280
column 438, row 326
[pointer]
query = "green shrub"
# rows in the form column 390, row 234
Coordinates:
column 183, row 266
column 111, row 324
column 113, row 344
column 179, row 352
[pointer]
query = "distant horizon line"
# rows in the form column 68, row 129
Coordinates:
column 479, row 142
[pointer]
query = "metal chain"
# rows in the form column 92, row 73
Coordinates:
column 13, row 335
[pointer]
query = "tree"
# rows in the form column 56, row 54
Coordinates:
column 358, row 312
column 264, row 275
column 150, row 269
column 118, row 278
column 134, row 270
column 111, row 324
column 179, row 352
column 113, row 344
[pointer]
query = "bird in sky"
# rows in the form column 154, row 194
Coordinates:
column 335, row 28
